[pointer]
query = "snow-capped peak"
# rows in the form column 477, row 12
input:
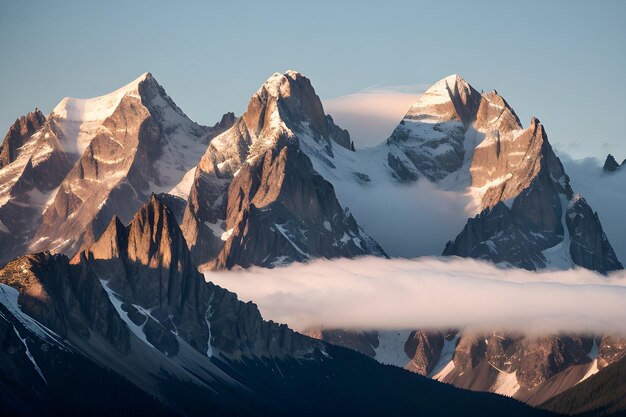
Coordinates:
column 79, row 119
column 276, row 86
column 448, row 83
column 293, row 74
column 442, row 91
column 97, row 108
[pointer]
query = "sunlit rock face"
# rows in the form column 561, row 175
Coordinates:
column 256, row 199
column 63, row 176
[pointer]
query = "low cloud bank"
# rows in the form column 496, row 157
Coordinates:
column 374, row 293
column 407, row 220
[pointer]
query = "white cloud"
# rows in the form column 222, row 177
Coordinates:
column 371, row 116
column 407, row 220
column 374, row 293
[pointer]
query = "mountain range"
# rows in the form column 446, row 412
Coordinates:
column 110, row 205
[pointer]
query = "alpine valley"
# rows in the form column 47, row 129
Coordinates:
column 112, row 208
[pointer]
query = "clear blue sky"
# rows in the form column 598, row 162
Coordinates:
column 563, row 61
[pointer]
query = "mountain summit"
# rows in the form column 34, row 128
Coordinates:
column 277, row 184
column 255, row 189
column 531, row 217
column 90, row 159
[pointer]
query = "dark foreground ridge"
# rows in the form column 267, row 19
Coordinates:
column 129, row 327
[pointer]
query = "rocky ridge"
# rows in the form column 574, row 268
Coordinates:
column 611, row 165
column 133, row 312
column 65, row 175
column 256, row 189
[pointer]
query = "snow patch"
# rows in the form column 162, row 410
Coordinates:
column 207, row 316
column 227, row 234
column 593, row 369
column 117, row 302
column 390, row 349
column 80, row 120
column 558, row 256
column 283, row 231
column 216, row 228
column 445, row 364
column 9, row 298
column 506, row 383
column 444, row 372
column 30, row 355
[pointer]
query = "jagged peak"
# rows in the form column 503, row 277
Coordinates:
column 154, row 214
column 576, row 199
column 20, row 131
column 447, row 87
column 111, row 243
column 152, row 237
column 21, row 123
column 279, row 85
column 288, row 98
column 28, row 123
column 227, row 119
column 610, row 164
column 36, row 115
column 449, row 82
column 156, row 202
column 451, row 89
column 276, row 86
column 537, row 127
column 293, row 74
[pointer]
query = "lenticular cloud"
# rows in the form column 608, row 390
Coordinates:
column 374, row 293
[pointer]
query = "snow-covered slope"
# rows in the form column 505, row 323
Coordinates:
column 455, row 153
column 64, row 176
column 80, row 120
column 475, row 150
column 128, row 144
column 33, row 165
column 256, row 197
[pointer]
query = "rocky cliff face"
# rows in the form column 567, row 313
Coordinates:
column 281, row 171
column 174, row 344
column 515, row 365
column 63, row 177
column 611, row 165
column 424, row 349
column 454, row 134
column 148, row 265
column 432, row 132
column 589, row 246
column 33, row 163
column 525, row 185
column 130, row 143
column 529, row 368
column 18, row 133
column 137, row 284
column 255, row 189
column 538, row 231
